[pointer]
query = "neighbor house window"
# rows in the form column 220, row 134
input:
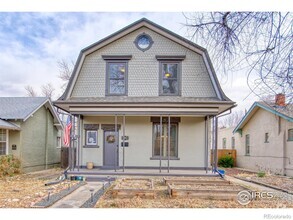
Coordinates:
column 116, row 78
column 290, row 134
column 169, row 78
column 58, row 144
column 233, row 142
column 3, row 140
column 266, row 137
column 247, row 145
column 224, row 143
column 161, row 139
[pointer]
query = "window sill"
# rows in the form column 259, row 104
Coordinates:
column 91, row 146
column 290, row 140
column 247, row 155
column 164, row 158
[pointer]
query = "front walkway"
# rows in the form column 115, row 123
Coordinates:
column 77, row 198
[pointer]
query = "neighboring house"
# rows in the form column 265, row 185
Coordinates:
column 226, row 138
column 30, row 129
column 149, row 90
column 266, row 137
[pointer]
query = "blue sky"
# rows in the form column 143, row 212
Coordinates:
column 31, row 43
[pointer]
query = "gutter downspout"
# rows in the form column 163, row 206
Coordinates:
column 216, row 142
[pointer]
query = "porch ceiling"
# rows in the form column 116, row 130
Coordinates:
column 146, row 108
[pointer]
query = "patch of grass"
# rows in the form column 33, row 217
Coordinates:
column 261, row 174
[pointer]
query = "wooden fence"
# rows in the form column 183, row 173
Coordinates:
column 225, row 152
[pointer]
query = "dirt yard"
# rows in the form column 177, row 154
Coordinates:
column 163, row 200
column 24, row 190
column 281, row 182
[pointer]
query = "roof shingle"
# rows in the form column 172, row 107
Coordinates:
column 19, row 107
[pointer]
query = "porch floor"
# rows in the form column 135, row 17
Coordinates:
column 139, row 172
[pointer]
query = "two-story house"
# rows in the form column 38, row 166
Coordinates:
column 144, row 97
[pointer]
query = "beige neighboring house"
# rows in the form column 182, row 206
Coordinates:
column 228, row 140
column 264, row 137
column 144, row 97
column 30, row 129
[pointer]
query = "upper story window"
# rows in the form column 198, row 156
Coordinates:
column 117, row 78
column 169, row 82
column 170, row 75
column 143, row 42
column 116, row 74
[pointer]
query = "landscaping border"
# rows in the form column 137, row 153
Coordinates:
column 44, row 203
column 91, row 202
column 264, row 184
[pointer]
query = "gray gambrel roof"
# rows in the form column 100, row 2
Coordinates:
column 155, row 27
column 21, row 108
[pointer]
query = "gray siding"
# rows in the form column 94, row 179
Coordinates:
column 143, row 68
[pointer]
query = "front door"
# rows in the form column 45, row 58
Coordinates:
column 110, row 149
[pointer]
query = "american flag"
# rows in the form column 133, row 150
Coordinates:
column 67, row 132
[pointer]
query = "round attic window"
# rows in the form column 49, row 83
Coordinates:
column 143, row 42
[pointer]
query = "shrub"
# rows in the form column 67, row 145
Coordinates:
column 226, row 161
column 9, row 165
column 261, row 174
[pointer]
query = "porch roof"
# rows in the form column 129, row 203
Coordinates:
column 8, row 125
column 145, row 105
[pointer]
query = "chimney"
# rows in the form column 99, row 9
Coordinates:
column 280, row 100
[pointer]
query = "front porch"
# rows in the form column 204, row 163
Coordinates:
column 153, row 145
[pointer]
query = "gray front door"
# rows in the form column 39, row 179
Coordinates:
column 110, row 149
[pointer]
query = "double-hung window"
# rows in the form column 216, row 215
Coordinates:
column 224, row 143
column 3, row 141
column 170, row 78
column 170, row 75
column 233, row 142
column 116, row 74
column 290, row 134
column 247, row 145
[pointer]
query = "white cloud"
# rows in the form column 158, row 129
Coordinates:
column 30, row 50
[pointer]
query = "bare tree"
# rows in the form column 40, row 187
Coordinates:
column 30, row 91
column 258, row 43
column 65, row 71
column 232, row 119
column 47, row 90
